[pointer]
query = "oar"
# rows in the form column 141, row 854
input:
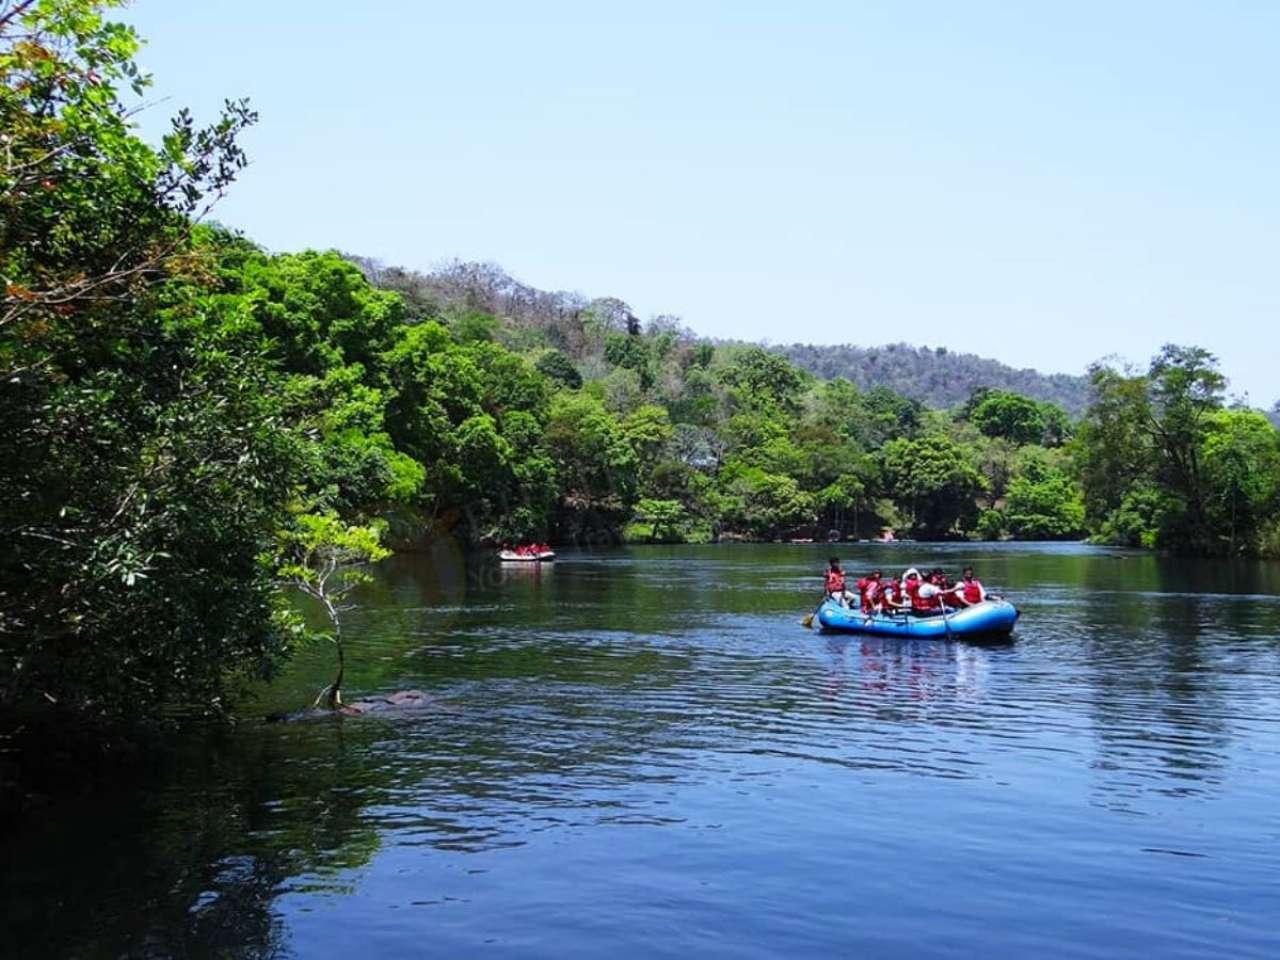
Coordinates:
column 945, row 622
column 807, row 622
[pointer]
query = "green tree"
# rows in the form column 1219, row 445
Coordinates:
column 761, row 504
column 665, row 516
column 1012, row 416
column 555, row 365
column 845, row 495
column 1185, row 391
column 764, row 381
column 1113, row 448
column 90, row 216
column 324, row 558
column 933, row 484
column 595, row 465
column 1240, row 466
column 648, row 430
column 1043, row 504
column 991, row 525
column 144, row 460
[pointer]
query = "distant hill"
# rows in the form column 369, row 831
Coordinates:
column 937, row 377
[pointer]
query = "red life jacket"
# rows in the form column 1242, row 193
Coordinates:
column 834, row 581
column 867, row 589
column 919, row 603
column 971, row 590
column 912, row 587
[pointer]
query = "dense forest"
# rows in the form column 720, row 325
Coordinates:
column 193, row 426
column 935, row 376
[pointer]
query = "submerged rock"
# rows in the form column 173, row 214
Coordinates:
column 400, row 702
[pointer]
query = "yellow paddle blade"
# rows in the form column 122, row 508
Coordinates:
column 807, row 621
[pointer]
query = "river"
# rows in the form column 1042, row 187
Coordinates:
column 642, row 753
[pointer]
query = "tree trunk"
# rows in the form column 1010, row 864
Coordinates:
column 335, row 689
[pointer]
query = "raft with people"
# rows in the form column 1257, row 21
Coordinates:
column 990, row 618
column 929, row 607
column 527, row 553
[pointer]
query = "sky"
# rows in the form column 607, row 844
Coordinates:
column 1045, row 184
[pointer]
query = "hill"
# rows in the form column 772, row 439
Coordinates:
column 937, row 377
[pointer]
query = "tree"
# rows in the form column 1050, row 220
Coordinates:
column 1185, row 390
column 1240, row 466
column 762, row 380
column 647, row 429
column 933, row 483
column 664, row 515
column 90, row 216
column 846, row 494
column 144, row 460
column 1012, row 416
column 594, row 463
column 1043, row 504
column 887, row 415
column 631, row 352
column 1112, row 449
column 762, row 504
column 555, row 365
column 324, row 558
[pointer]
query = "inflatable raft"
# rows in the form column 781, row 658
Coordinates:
column 989, row 619
column 510, row 556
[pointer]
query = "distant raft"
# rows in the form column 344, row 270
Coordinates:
column 510, row 556
column 990, row 619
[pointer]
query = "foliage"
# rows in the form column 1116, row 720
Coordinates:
column 935, row 484
column 555, row 365
column 1162, row 464
column 143, row 460
column 938, row 377
column 664, row 516
column 89, row 214
column 324, row 558
column 762, row 381
column 1043, row 504
column 1240, row 462
column 1009, row 415
column 170, row 394
column 991, row 525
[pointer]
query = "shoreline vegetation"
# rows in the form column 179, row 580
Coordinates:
column 183, row 409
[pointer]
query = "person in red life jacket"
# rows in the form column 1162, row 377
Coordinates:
column 923, row 594
column 911, row 588
column 868, row 587
column 968, row 591
column 933, row 591
column 833, row 582
column 889, row 596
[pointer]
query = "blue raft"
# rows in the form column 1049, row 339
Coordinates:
column 986, row 620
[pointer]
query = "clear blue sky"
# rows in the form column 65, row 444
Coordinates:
column 1040, row 183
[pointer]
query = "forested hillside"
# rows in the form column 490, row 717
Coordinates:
column 937, row 377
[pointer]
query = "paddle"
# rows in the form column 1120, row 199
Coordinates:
column 945, row 622
column 807, row 622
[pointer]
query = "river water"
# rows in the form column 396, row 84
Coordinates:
column 643, row 754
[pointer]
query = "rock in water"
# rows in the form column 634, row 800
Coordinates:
column 400, row 701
